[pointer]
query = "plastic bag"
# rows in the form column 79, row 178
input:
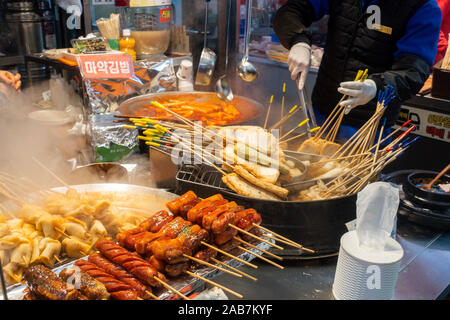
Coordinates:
column 376, row 209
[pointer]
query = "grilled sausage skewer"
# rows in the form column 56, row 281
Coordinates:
column 121, row 274
column 89, row 286
column 137, row 266
column 117, row 289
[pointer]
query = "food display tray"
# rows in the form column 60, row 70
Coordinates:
column 185, row 283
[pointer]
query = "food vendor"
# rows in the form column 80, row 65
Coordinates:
column 445, row 29
column 395, row 40
column 13, row 81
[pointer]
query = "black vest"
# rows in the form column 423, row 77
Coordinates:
column 352, row 46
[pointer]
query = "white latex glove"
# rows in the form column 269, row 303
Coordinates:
column 360, row 93
column 299, row 62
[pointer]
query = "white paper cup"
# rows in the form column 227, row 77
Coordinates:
column 365, row 275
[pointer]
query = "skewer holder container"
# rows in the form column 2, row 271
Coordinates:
column 362, row 274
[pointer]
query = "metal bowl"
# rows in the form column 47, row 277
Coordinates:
column 250, row 109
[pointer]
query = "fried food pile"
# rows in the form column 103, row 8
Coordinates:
column 256, row 164
column 66, row 225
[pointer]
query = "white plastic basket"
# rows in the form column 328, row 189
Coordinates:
column 365, row 275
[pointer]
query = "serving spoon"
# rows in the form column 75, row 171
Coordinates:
column 246, row 70
column 223, row 88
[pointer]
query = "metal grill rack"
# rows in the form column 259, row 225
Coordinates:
column 201, row 176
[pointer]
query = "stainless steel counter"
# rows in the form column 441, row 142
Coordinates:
column 424, row 274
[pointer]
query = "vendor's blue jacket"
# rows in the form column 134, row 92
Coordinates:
column 395, row 39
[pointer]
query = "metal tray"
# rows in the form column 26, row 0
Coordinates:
column 185, row 283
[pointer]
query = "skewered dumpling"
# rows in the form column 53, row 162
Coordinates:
column 4, row 229
column 13, row 273
column 75, row 248
column 45, row 251
column 51, row 226
column 75, row 227
column 21, row 255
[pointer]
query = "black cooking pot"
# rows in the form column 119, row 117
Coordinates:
column 317, row 225
column 426, row 198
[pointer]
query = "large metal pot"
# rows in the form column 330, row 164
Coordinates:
column 250, row 109
column 27, row 28
column 317, row 225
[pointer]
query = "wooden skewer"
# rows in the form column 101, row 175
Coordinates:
column 261, row 257
column 292, row 130
column 152, row 295
column 56, row 258
column 268, row 112
column 168, row 287
column 282, row 107
column 428, row 186
column 5, row 210
column 256, row 237
column 293, row 138
column 212, row 266
column 25, row 260
column 62, row 232
column 229, row 255
column 83, row 253
column 281, row 237
column 234, row 269
column 214, row 284
column 139, row 298
column 51, row 172
column 292, row 244
column 255, row 247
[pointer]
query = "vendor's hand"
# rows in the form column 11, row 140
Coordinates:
column 299, row 62
column 360, row 93
column 11, row 80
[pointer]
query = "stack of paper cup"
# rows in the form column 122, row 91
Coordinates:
column 364, row 274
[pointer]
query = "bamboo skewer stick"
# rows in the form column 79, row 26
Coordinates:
column 152, row 295
column 212, row 266
column 292, row 130
column 261, row 257
column 282, row 106
column 56, row 258
column 215, row 284
column 51, row 172
column 293, row 111
column 257, row 248
column 290, row 243
column 281, row 237
column 254, row 236
column 268, row 112
column 5, row 210
column 169, row 287
column 234, row 269
column 229, row 255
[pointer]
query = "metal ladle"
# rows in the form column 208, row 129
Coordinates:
column 208, row 58
column 246, row 70
column 223, row 88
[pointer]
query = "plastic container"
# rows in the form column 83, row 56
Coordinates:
column 185, row 78
column 91, row 45
column 127, row 43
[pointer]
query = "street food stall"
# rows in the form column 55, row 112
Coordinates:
column 159, row 150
